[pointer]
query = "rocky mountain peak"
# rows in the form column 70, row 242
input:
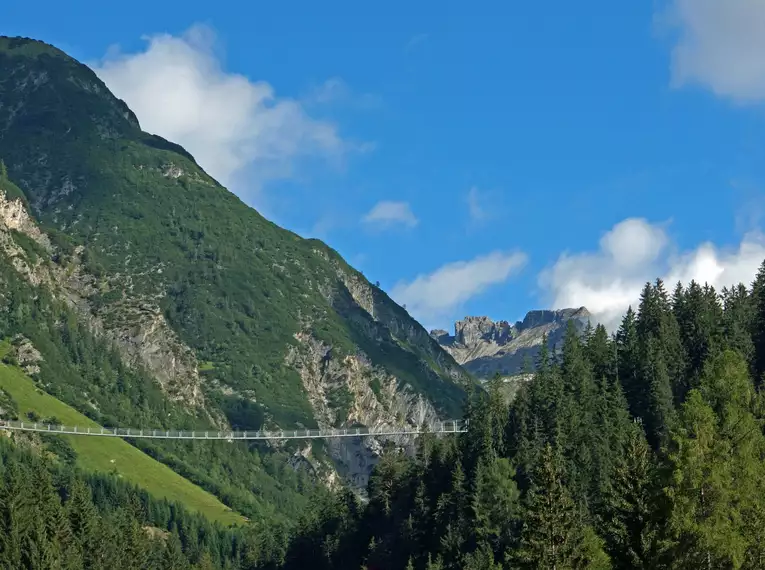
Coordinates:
column 547, row 317
column 484, row 346
column 472, row 330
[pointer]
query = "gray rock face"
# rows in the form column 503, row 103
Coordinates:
column 484, row 347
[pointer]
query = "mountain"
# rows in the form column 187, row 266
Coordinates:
column 484, row 347
column 172, row 303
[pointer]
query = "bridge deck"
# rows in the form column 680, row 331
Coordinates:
column 451, row 426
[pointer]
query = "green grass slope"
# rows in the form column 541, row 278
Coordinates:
column 113, row 455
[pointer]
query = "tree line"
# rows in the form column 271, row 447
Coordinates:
column 641, row 449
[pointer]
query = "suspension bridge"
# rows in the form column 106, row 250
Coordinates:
column 441, row 427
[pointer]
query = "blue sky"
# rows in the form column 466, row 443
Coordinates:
column 482, row 158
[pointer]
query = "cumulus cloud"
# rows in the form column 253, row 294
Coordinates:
column 437, row 295
column 386, row 214
column 634, row 251
column 179, row 90
column 721, row 45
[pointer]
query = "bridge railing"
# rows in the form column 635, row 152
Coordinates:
column 449, row 426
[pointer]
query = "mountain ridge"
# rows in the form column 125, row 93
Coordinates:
column 485, row 347
column 237, row 321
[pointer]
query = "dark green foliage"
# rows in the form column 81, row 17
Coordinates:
column 89, row 375
column 553, row 534
column 757, row 324
column 234, row 286
column 633, row 507
column 564, row 477
column 137, row 213
column 54, row 517
column 571, row 480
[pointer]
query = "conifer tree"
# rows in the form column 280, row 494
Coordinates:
column 717, row 467
column 602, row 355
column 82, row 517
column 495, row 505
column 629, row 365
column 480, row 559
column 16, row 515
column 632, row 514
column 553, row 534
column 699, row 316
column 660, row 411
column 758, row 325
column 738, row 321
column 173, row 558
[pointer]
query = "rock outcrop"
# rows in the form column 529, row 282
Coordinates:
column 135, row 325
column 485, row 347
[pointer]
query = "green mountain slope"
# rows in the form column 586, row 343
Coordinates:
column 111, row 455
column 235, row 287
column 169, row 302
column 53, row 341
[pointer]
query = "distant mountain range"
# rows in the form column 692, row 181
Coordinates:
column 484, row 347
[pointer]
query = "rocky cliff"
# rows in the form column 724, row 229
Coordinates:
column 485, row 347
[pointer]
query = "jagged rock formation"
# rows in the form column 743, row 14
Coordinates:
column 484, row 347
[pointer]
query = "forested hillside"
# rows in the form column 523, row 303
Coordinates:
column 641, row 450
column 146, row 268
column 140, row 292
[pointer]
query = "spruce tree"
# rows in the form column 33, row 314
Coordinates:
column 631, row 520
column 173, row 558
column 758, row 325
column 83, row 521
column 716, row 458
column 660, row 411
column 628, row 355
column 495, row 504
column 699, row 315
column 553, row 534
column 17, row 522
column 738, row 321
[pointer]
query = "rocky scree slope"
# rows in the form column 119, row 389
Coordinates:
column 485, row 348
column 237, row 319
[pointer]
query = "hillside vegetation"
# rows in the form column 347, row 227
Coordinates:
column 110, row 455
column 235, row 287
column 156, row 298
column 645, row 450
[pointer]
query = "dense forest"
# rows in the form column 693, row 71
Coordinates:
column 641, row 450
column 644, row 449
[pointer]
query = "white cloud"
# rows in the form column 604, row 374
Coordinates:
column 475, row 210
column 387, row 213
column 179, row 90
column 437, row 295
column 635, row 251
column 721, row 45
